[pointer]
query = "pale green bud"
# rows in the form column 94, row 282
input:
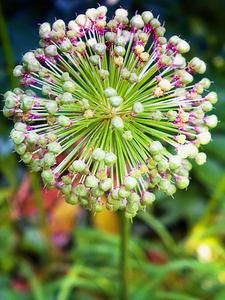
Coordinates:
column 88, row 114
column 182, row 182
column 63, row 121
column 91, row 182
column 171, row 115
column 120, row 41
column 68, row 86
column 17, row 136
column 11, row 101
column 81, row 20
column 130, row 183
column 133, row 78
column 115, row 101
column 94, row 59
column 51, row 107
column 155, row 147
column 147, row 16
column 33, row 65
column 32, row 137
column 204, row 137
column 49, row 159
column 44, row 30
column 92, row 14
column 120, row 51
column 26, row 103
column 78, row 166
column 212, row 97
column 99, row 48
column 27, row 57
column 97, row 192
column 200, row 158
column 47, row 176
column 165, row 85
column 110, row 159
column 211, row 121
column 98, row 154
column 26, row 157
column 205, row 82
column 20, row 148
column 123, row 193
column 103, row 74
column 66, row 46
column 174, row 162
column 109, row 92
column 138, row 108
column 164, row 184
column 106, row 184
column 127, row 135
column 137, row 22
column 80, row 47
column 133, row 197
column 155, row 23
column 183, row 46
column 72, row 199
column 117, row 123
column 80, row 190
column 51, row 51
column 58, row 25
column 110, row 36
column 147, row 198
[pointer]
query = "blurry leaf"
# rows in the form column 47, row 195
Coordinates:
column 217, row 147
column 160, row 229
column 174, row 296
column 33, row 241
column 210, row 173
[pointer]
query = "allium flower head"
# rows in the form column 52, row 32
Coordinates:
column 116, row 110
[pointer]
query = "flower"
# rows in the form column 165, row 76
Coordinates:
column 116, row 110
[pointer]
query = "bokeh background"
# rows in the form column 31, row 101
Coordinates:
column 50, row 250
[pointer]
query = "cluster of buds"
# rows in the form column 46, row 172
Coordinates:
column 116, row 110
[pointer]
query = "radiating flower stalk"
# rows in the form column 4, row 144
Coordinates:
column 116, row 110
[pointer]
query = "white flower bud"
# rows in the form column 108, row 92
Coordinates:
column 102, row 10
column 92, row 14
column 211, row 121
column 51, row 51
column 117, row 123
column 138, row 108
column 212, row 97
column 72, row 25
column 147, row 16
column 200, row 158
column 204, row 137
column 179, row 61
column 58, row 25
column 115, row 101
column 129, row 183
column 165, row 85
column 137, row 22
column 81, row 20
column 155, row 147
column 183, row 46
column 98, row 154
column 121, row 12
column 44, row 30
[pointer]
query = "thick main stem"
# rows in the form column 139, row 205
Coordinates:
column 125, row 230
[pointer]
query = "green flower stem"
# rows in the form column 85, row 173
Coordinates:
column 125, row 231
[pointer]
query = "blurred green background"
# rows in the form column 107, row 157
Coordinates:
column 50, row 250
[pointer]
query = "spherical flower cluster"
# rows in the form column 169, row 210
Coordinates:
column 116, row 110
